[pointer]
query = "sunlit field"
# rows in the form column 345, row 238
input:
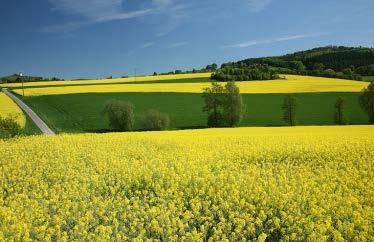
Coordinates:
column 109, row 81
column 299, row 183
column 292, row 84
column 10, row 109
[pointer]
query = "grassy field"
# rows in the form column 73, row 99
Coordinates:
column 82, row 112
column 292, row 84
column 294, row 184
column 75, row 106
column 30, row 127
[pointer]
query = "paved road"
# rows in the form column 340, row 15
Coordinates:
column 40, row 123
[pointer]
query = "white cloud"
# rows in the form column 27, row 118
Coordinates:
column 179, row 44
column 258, row 5
column 176, row 14
column 147, row 45
column 275, row 40
column 88, row 8
column 92, row 11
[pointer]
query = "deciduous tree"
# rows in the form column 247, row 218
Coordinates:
column 233, row 105
column 289, row 110
column 340, row 116
column 367, row 101
column 214, row 97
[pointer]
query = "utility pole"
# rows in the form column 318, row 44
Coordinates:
column 23, row 89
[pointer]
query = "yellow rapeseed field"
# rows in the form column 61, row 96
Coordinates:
column 293, row 184
column 9, row 108
column 109, row 81
column 292, row 84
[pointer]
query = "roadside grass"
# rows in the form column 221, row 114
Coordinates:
column 30, row 127
column 83, row 112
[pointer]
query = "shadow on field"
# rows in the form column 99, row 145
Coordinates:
column 103, row 131
column 193, row 127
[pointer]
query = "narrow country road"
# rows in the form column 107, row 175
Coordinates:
column 35, row 118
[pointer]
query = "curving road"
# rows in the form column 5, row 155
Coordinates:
column 35, row 118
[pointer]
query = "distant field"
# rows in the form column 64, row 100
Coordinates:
column 139, row 79
column 292, row 84
column 167, row 81
column 82, row 112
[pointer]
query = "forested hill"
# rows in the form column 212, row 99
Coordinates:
column 357, row 60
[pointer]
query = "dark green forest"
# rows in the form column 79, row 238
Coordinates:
column 245, row 74
column 331, row 61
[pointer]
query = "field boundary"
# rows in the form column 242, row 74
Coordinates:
column 34, row 117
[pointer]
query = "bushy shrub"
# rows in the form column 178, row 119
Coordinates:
column 9, row 127
column 120, row 115
column 154, row 120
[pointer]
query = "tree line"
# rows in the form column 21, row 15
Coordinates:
column 16, row 78
column 256, row 72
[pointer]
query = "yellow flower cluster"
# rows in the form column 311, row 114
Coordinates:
column 288, row 184
column 292, row 84
column 109, row 81
column 9, row 108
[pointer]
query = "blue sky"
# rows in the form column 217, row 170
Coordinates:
column 99, row 38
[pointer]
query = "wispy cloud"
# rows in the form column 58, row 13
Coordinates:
column 92, row 11
column 275, row 40
column 147, row 45
column 258, row 5
column 175, row 14
column 179, row 44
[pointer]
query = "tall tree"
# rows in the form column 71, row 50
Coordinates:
column 367, row 101
column 340, row 116
column 214, row 97
column 233, row 105
column 289, row 110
